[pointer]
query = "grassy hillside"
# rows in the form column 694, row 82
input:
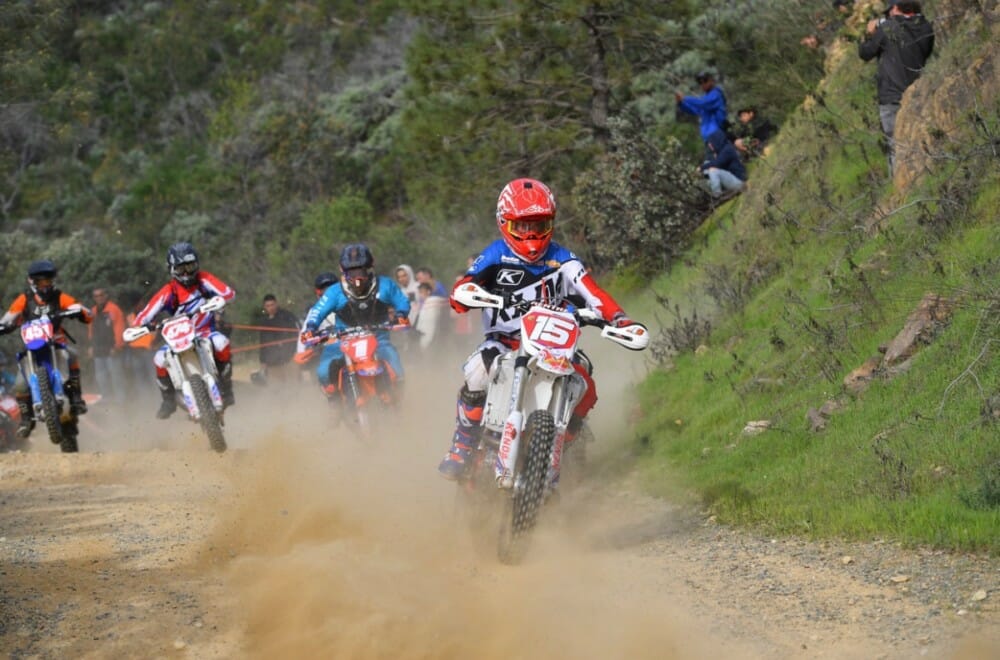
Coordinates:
column 804, row 278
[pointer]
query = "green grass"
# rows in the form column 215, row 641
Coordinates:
column 836, row 260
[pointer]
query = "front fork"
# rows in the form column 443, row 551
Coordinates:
column 510, row 439
column 29, row 370
column 182, row 367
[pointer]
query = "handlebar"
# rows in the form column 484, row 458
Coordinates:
column 213, row 304
column 325, row 334
column 73, row 311
column 634, row 336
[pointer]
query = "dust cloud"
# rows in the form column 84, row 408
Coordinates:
column 335, row 547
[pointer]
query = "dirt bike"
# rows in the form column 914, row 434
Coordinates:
column 43, row 368
column 191, row 365
column 530, row 398
column 365, row 382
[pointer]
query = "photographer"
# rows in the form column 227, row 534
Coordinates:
column 902, row 41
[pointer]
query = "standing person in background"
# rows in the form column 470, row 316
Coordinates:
column 461, row 324
column 431, row 317
column 406, row 280
column 275, row 357
column 710, row 107
column 424, row 274
column 902, row 41
column 139, row 354
column 107, row 347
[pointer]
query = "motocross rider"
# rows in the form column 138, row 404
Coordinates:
column 43, row 298
column 361, row 299
column 523, row 265
column 188, row 289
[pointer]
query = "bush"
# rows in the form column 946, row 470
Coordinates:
column 641, row 202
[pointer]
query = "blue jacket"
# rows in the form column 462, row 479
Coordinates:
column 726, row 156
column 709, row 108
column 351, row 313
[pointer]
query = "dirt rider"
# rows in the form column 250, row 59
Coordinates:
column 42, row 298
column 524, row 265
column 361, row 299
column 189, row 288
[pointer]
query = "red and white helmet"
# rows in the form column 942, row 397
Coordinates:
column 526, row 210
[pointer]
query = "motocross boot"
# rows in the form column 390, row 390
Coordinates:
column 75, row 394
column 226, row 384
column 468, row 427
column 168, row 404
column 27, row 417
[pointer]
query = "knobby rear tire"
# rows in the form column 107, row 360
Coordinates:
column 209, row 417
column 536, row 443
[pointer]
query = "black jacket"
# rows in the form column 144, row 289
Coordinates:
column 725, row 156
column 902, row 45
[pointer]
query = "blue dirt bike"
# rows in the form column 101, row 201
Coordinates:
column 44, row 367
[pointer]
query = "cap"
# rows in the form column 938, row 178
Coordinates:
column 702, row 76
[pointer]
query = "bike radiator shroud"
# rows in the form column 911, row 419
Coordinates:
column 538, row 393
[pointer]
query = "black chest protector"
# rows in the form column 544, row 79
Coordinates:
column 370, row 311
column 33, row 309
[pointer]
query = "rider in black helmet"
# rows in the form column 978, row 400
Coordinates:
column 42, row 298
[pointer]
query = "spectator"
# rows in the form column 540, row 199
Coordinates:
column 277, row 347
column 432, row 316
column 407, row 282
column 710, row 107
column 424, row 274
column 107, row 347
column 138, row 354
column 751, row 133
column 724, row 170
column 461, row 324
column 902, row 41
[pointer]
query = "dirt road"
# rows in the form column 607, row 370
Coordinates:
column 301, row 542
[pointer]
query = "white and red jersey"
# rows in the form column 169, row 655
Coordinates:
column 559, row 276
column 175, row 298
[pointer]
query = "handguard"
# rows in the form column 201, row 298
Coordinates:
column 634, row 337
column 213, row 304
column 473, row 295
column 131, row 334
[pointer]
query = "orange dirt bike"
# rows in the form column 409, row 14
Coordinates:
column 366, row 382
column 530, row 398
column 191, row 364
column 44, row 367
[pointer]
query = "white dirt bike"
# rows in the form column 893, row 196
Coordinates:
column 191, row 365
column 530, row 398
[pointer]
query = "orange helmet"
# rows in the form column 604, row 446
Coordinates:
column 526, row 210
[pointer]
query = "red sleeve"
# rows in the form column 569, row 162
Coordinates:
column 153, row 307
column 216, row 286
column 455, row 305
column 607, row 307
